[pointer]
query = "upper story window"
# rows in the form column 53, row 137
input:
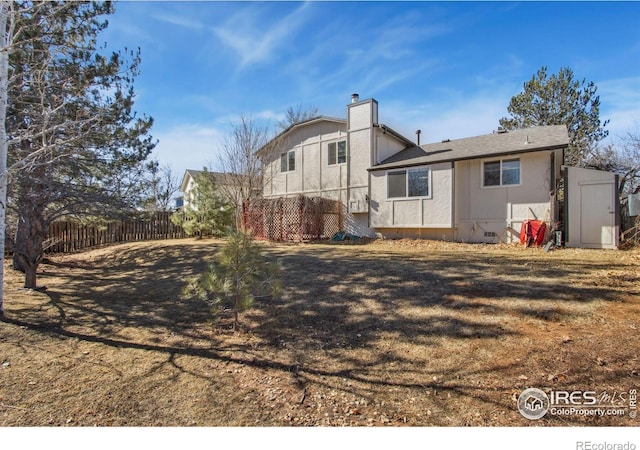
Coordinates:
column 288, row 161
column 337, row 152
column 504, row 172
column 409, row 183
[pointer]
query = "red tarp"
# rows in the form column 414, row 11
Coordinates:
column 532, row 232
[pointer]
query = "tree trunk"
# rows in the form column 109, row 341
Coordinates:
column 6, row 32
column 28, row 244
column 30, row 277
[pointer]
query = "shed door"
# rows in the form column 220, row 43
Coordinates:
column 597, row 221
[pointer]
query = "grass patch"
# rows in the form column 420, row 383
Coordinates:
column 386, row 333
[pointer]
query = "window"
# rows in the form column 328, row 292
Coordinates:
column 505, row 172
column 288, row 161
column 408, row 183
column 337, row 153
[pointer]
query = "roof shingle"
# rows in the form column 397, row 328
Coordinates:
column 495, row 144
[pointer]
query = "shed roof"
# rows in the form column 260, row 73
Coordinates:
column 495, row 144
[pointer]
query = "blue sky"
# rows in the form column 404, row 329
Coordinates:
column 447, row 68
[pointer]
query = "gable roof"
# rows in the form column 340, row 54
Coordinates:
column 386, row 130
column 495, row 144
column 312, row 121
column 218, row 177
column 294, row 126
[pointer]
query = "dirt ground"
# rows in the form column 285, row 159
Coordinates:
column 395, row 333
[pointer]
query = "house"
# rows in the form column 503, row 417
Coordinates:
column 189, row 184
column 476, row 189
column 229, row 185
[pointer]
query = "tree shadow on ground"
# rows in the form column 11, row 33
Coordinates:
column 378, row 320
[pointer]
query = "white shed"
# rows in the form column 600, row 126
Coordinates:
column 591, row 208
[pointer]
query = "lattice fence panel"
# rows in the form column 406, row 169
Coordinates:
column 292, row 219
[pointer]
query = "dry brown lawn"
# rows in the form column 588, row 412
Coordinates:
column 400, row 333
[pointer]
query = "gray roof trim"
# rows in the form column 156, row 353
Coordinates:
column 491, row 145
column 392, row 132
column 303, row 124
column 312, row 120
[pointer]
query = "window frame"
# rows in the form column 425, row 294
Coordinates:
column 501, row 171
column 406, row 171
column 286, row 157
column 333, row 154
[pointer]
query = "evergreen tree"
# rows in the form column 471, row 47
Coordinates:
column 76, row 147
column 239, row 275
column 560, row 100
column 207, row 212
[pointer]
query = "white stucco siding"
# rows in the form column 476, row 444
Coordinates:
column 406, row 213
column 432, row 212
column 309, row 162
column 386, row 146
column 313, row 175
column 491, row 214
column 360, row 116
column 313, row 134
column 359, row 157
column 437, row 212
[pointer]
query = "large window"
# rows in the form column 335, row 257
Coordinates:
column 337, row 153
column 408, row 183
column 504, row 172
column 288, row 161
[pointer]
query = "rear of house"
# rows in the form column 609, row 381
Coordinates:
column 476, row 189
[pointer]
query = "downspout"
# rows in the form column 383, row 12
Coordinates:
column 565, row 202
column 617, row 211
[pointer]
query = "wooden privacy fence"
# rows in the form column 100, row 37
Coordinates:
column 70, row 236
column 292, row 219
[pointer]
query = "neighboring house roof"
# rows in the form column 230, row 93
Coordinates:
column 218, row 177
column 495, row 144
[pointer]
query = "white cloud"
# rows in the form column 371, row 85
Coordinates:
column 179, row 21
column 451, row 117
column 188, row 147
column 247, row 35
column 341, row 57
column 620, row 103
column 270, row 116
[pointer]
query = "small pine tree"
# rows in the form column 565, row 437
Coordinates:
column 239, row 275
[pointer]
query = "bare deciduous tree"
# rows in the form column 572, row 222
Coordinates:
column 245, row 150
column 161, row 184
column 622, row 158
column 239, row 160
column 297, row 114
